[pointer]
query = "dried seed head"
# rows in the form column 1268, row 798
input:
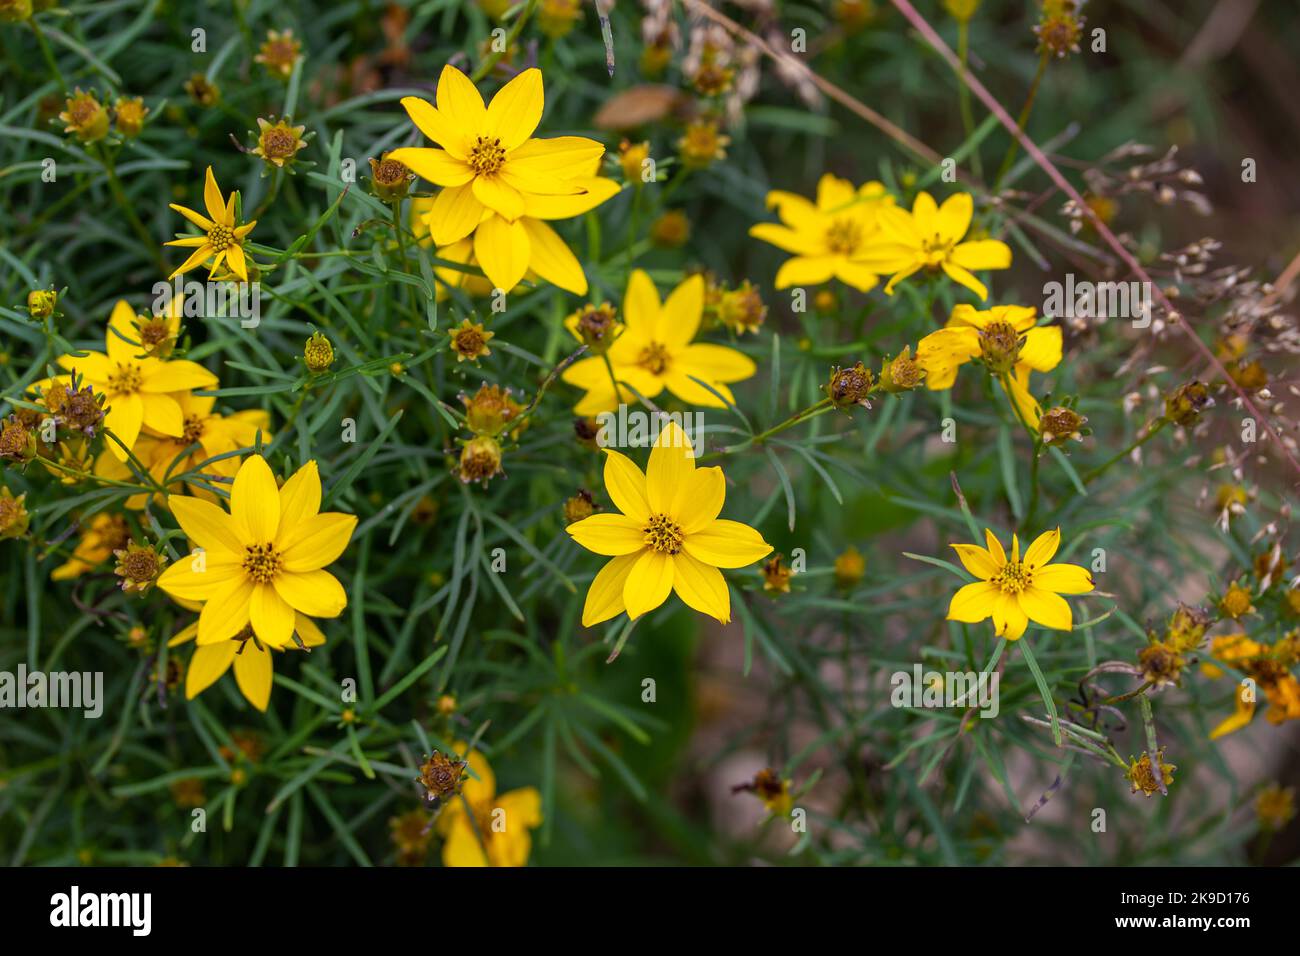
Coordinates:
column 13, row 514
column 441, row 776
column 580, row 506
column 480, row 459
column 1183, row 406
column 776, row 576
column 138, row 566
column 1061, row 424
column 389, row 179
column 902, row 373
column 1142, row 774
column 850, row 386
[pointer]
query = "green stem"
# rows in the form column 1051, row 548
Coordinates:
column 48, row 54
column 963, row 93
column 120, row 197
column 1151, row 430
column 1022, row 120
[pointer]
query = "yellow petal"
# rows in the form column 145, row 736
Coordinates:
column 625, row 485
column 954, row 216
column 196, row 259
column 253, row 674
column 438, row 166
column 1009, row 619
column 974, row 602
column 460, row 102
column 316, row 542
column 596, row 190
column 216, row 206
column 564, row 156
column 995, row 548
column 715, row 363
column 121, row 336
column 641, row 302
column 701, row 587
column 699, row 499
column 203, row 222
column 976, row 560
column 502, row 249
column 609, row 534
column 238, row 265
column 982, row 254
column 805, row 270
column 649, row 583
column 962, row 277
column 1045, row 608
column 727, row 544
column 182, row 580
column 312, row 636
column 1241, row 716
column 454, row 215
column 672, row 461
column 1063, row 579
column 1041, row 350
column 834, row 193
column 317, row 593
column 551, row 259
column 300, row 497
column 679, row 319
column 434, row 125
column 515, row 111
column 925, row 215
column 785, row 238
column 123, row 418
column 461, row 848
column 207, row 664
column 207, row 526
column 271, row 616
column 162, row 413
column 176, row 376
column 680, row 381
column 255, row 502
column 1044, row 548
column 226, row 612
column 861, row 277
column 605, row 596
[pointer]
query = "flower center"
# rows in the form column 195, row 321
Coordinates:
column 262, row 562
column 843, row 237
column 279, row 143
column 936, row 249
column 487, row 155
column 654, row 358
column 663, row 534
column 221, row 237
column 1014, row 578
column 193, row 429
column 126, row 379
column 999, row 346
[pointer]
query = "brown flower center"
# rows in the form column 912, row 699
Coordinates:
column 279, row 143
column 1014, row 578
column 663, row 534
column 843, row 237
column 262, row 562
column 936, row 249
column 487, row 155
column 654, row 358
column 222, row 237
column 193, row 429
column 126, row 379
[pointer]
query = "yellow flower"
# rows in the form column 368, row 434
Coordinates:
column 929, row 237
column 666, row 535
column 702, row 145
column 264, row 561
column 128, row 115
column 278, row 53
column 214, row 434
column 1005, row 339
column 501, row 822
column 223, row 241
column 85, row 116
column 1017, row 591
column 830, row 240
column 278, row 143
column 107, row 533
column 252, row 658
column 490, row 163
column 137, row 388
column 655, row 352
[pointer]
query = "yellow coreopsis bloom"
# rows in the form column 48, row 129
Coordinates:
column 666, row 537
column 223, row 239
column 830, row 240
column 263, row 562
column 1006, row 339
column 655, row 351
column 489, row 159
column 214, row 434
column 929, row 237
column 1015, row 591
column 106, row 533
column 250, row 657
column 502, row 822
column 139, row 388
